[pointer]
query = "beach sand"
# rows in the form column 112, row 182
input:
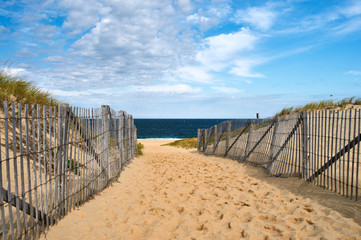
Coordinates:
column 173, row 193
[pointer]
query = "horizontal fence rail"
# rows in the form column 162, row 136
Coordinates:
column 53, row 159
column 322, row 146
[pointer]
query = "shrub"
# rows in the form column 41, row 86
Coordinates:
column 140, row 147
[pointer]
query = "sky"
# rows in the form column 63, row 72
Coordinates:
column 185, row 58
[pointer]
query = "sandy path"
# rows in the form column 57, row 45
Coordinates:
column 172, row 193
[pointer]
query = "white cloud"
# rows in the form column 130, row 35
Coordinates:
column 15, row 71
column 178, row 88
column 210, row 16
column 194, row 74
column 350, row 26
column 3, row 29
column 224, row 52
column 355, row 73
column 351, row 10
column 260, row 17
column 185, row 5
column 217, row 51
column 227, row 90
column 341, row 19
column 197, row 19
column 82, row 14
column 243, row 68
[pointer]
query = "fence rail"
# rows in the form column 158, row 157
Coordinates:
column 322, row 147
column 53, row 159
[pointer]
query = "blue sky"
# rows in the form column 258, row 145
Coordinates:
column 184, row 58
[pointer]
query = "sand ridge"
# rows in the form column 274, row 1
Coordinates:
column 173, row 193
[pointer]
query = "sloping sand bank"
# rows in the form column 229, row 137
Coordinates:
column 172, row 193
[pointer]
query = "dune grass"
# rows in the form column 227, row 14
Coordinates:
column 325, row 104
column 139, row 149
column 17, row 90
column 187, row 143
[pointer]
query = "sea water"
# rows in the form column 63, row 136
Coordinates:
column 172, row 128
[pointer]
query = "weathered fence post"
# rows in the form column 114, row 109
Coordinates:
column 228, row 134
column 105, row 146
column 305, row 141
column 121, row 137
column 135, row 140
column 129, row 138
column 65, row 156
column 274, row 138
column 199, row 139
column 204, row 138
column 215, row 138
column 249, row 140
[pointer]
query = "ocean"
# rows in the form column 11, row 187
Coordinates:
column 172, row 128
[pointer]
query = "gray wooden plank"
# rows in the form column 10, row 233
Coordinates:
column 332, row 136
column 336, row 148
column 16, row 177
column 27, row 130
column 22, row 172
column 318, row 144
column 348, row 153
column 55, row 170
column 353, row 154
column 313, row 155
column 66, row 158
column 34, row 171
column 358, row 154
column 8, row 169
column 45, row 154
column 38, row 108
column 50, row 166
column 58, row 163
column 81, row 191
column 75, row 170
column 2, row 200
column 322, row 160
column 71, row 165
column 342, row 143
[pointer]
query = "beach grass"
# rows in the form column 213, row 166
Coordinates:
column 17, row 90
column 324, row 104
column 187, row 143
column 139, row 150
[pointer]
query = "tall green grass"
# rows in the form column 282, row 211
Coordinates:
column 325, row 104
column 187, row 143
column 17, row 90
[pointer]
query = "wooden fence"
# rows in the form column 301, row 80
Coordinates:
column 54, row 159
column 322, row 147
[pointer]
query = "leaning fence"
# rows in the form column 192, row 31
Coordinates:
column 321, row 146
column 53, row 159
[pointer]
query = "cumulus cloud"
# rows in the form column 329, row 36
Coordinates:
column 243, row 68
column 260, row 17
column 224, row 52
column 81, row 14
column 15, row 71
column 120, row 43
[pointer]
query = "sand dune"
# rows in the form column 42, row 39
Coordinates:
column 172, row 193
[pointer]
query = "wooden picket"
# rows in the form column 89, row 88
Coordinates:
column 54, row 159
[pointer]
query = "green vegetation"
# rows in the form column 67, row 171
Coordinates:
column 139, row 149
column 73, row 167
column 17, row 90
column 325, row 104
column 186, row 143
